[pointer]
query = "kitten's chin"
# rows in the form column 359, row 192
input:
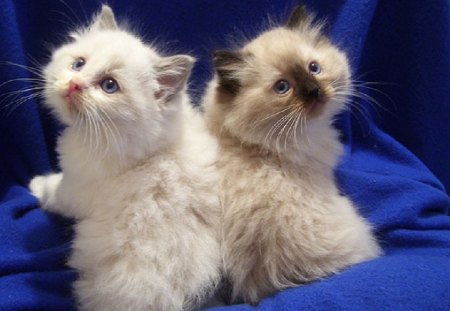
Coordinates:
column 316, row 109
column 333, row 108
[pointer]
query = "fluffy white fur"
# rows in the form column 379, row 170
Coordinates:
column 285, row 222
column 137, row 174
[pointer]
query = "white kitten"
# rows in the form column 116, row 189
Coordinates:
column 138, row 173
column 271, row 105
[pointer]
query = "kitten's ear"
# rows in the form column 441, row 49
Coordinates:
column 299, row 16
column 105, row 20
column 227, row 66
column 172, row 73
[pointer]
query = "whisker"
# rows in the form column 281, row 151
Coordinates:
column 35, row 63
column 281, row 132
column 35, row 71
column 298, row 115
column 274, row 128
column 71, row 11
column 86, row 18
column 16, row 101
column 272, row 115
column 94, row 118
column 362, row 112
column 32, row 80
column 297, row 122
column 115, row 134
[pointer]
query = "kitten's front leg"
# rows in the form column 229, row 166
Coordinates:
column 44, row 188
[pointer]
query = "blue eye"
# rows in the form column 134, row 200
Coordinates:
column 109, row 85
column 281, row 87
column 314, row 68
column 78, row 64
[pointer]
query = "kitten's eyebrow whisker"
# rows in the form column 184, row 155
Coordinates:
column 86, row 18
column 72, row 12
column 64, row 20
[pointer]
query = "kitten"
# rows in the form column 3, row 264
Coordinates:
column 138, row 173
column 271, row 105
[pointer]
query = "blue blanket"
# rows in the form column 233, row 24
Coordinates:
column 396, row 167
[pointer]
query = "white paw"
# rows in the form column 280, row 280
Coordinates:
column 44, row 188
column 37, row 187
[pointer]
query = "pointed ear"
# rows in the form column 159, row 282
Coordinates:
column 227, row 66
column 299, row 16
column 172, row 74
column 105, row 20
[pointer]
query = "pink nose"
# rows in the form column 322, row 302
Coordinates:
column 73, row 87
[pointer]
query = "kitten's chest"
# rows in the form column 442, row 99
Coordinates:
column 255, row 178
column 154, row 187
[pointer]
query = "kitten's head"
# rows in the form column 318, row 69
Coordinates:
column 107, row 76
column 280, row 82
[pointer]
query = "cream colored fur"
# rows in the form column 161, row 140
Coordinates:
column 138, row 176
column 285, row 222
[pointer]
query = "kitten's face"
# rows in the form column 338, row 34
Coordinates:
column 108, row 71
column 112, row 74
column 280, row 82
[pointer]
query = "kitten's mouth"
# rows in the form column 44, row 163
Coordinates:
column 71, row 95
column 71, row 100
column 315, row 108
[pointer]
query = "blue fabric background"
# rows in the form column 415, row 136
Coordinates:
column 396, row 167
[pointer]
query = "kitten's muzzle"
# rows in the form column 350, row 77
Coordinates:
column 72, row 89
column 314, row 94
column 313, row 98
column 310, row 93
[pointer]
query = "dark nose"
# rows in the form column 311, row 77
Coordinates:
column 310, row 93
column 314, row 93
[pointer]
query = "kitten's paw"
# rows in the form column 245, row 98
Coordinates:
column 37, row 187
column 44, row 188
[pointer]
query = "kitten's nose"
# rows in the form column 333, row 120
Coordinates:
column 314, row 93
column 310, row 94
column 73, row 87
